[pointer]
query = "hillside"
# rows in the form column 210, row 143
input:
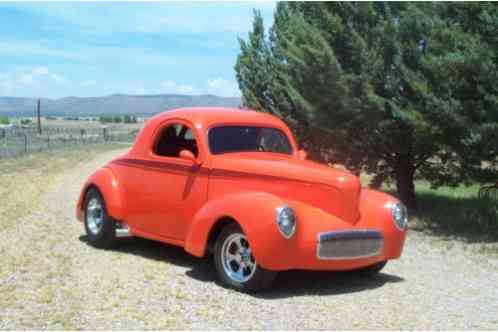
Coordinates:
column 110, row 105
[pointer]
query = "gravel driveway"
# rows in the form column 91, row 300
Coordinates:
column 56, row 281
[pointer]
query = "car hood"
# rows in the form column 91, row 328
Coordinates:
column 334, row 190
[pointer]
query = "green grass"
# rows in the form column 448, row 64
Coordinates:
column 452, row 212
column 456, row 212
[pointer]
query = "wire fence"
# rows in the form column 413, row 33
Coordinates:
column 15, row 141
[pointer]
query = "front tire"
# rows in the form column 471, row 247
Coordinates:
column 100, row 227
column 235, row 264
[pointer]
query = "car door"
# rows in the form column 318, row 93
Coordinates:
column 174, row 188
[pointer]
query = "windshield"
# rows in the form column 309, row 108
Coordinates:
column 228, row 139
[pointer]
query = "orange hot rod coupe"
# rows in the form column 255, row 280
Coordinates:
column 233, row 184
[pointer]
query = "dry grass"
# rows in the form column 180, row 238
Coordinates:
column 34, row 269
column 25, row 179
column 84, row 122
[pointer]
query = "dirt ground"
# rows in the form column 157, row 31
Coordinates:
column 51, row 279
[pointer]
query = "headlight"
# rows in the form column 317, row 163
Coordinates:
column 286, row 221
column 400, row 215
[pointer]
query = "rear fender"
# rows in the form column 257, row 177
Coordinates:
column 106, row 182
column 254, row 213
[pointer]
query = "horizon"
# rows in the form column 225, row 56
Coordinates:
column 61, row 50
column 126, row 94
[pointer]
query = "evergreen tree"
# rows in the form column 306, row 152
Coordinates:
column 399, row 90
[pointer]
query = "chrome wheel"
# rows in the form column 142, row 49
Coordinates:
column 95, row 215
column 237, row 259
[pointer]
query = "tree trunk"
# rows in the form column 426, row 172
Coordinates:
column 377, row 181
column 406, row 186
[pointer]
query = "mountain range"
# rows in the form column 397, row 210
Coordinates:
column 117, row 104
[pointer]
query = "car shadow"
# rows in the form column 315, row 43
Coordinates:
column 470, row 219
column 153, row 250
column 287, row 283
column 300, row 283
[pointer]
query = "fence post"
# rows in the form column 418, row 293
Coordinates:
column 25, row 143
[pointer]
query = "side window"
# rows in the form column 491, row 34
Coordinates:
column 189, row 142
column 273, row 140
column 174, row 138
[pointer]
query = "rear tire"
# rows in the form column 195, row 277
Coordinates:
column 235, row 265
column 99, row 226
column 371, row 270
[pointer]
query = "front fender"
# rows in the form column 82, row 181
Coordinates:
column 375, row 211
column 106, row 182
column 254, row 212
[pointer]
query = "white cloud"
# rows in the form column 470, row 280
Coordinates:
column 6, row 85
column 40, row 71
column 38, row 75
column 142, row 91
column 215, row 86
column 21, row 48
column 38, row 78
column 89, row 83
column 222, row 87
column 171, row 86
column 41, row 74
column 27, row 79
column 172, row 17
column 58, row 79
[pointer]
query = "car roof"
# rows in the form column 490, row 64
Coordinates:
column 206, row 117
column 209, row 116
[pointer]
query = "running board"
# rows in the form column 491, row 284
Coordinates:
column 122, row 230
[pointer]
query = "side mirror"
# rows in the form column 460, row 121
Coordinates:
column 188, row 155
column 302, row 155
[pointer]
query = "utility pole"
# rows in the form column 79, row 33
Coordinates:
column 39, row 120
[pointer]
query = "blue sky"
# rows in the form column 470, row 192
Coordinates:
column 92, row 49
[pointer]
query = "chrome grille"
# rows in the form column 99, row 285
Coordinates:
column 349, row 244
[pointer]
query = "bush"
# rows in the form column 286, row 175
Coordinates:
column 130, row 119
column 118, row 119
column 105, row 119
column 4, row 120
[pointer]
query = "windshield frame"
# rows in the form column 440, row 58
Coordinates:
column 284, row 132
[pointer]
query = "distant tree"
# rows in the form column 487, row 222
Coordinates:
column 107, row 119
column 130, row 119
column 399, row 90
column 4, row 120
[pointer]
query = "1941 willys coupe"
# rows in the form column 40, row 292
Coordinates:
column 233, row 184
